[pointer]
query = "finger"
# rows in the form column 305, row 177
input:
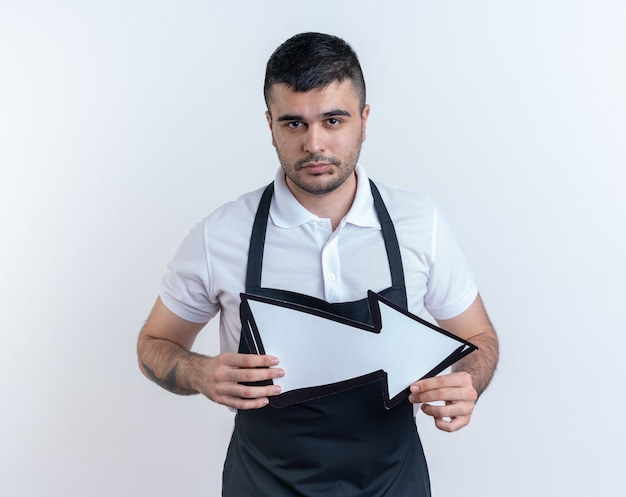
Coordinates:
column 450, row 410
column 452, row 380
column 243, row 396
column 254, row 392
column 452, row 424
column 467, row 394
column 227, row 373
column 242, row 375
column 248, row 360
column 243, row 404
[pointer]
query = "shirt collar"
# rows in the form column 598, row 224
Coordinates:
column 287, row 212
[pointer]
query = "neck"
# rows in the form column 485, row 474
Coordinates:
column 333, row 205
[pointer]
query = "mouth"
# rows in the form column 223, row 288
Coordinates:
column 317, row 167
column 317, row 164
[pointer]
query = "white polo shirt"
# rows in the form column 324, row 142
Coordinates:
column 303, row 254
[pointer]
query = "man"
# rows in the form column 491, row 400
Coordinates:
column 323, row 234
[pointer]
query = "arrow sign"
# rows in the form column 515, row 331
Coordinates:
column 322, row 353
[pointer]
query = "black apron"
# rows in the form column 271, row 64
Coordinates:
column 342, row 445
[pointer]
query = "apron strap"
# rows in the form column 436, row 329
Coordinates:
column 257, row 240
column 259, row 229
column 391, row 240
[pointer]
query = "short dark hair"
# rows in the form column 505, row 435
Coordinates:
column 310, row 61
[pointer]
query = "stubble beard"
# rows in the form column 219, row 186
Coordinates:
column 333, row 179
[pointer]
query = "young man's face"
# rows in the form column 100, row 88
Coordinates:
column 317, row 135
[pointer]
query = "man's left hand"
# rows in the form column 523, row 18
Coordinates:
column 455, row 390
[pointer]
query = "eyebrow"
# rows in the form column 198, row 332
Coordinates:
column 332, row 113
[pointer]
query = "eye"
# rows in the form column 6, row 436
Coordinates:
column 295, row 124
column 333, row 121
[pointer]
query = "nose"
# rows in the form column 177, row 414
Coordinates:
column 313, row 140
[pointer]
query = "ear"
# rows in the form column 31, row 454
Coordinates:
column 268, row 116
column 364, row 115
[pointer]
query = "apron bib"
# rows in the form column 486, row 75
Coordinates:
column 342, row 445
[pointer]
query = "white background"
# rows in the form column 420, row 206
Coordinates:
column 123, row 123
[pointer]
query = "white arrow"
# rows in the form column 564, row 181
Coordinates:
column 322, row 353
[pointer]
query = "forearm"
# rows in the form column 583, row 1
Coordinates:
column 169, row 365
column 224, row 378
column 480, row 364
column 470, row 376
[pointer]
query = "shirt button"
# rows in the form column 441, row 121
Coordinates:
column 331, row 277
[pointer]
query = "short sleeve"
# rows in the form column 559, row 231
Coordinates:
column 451, row 286
column 185, row 288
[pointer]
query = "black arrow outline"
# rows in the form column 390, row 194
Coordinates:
column 252, row 336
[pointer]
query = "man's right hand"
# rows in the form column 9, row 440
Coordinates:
column 165, row 357
column 222, row 376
